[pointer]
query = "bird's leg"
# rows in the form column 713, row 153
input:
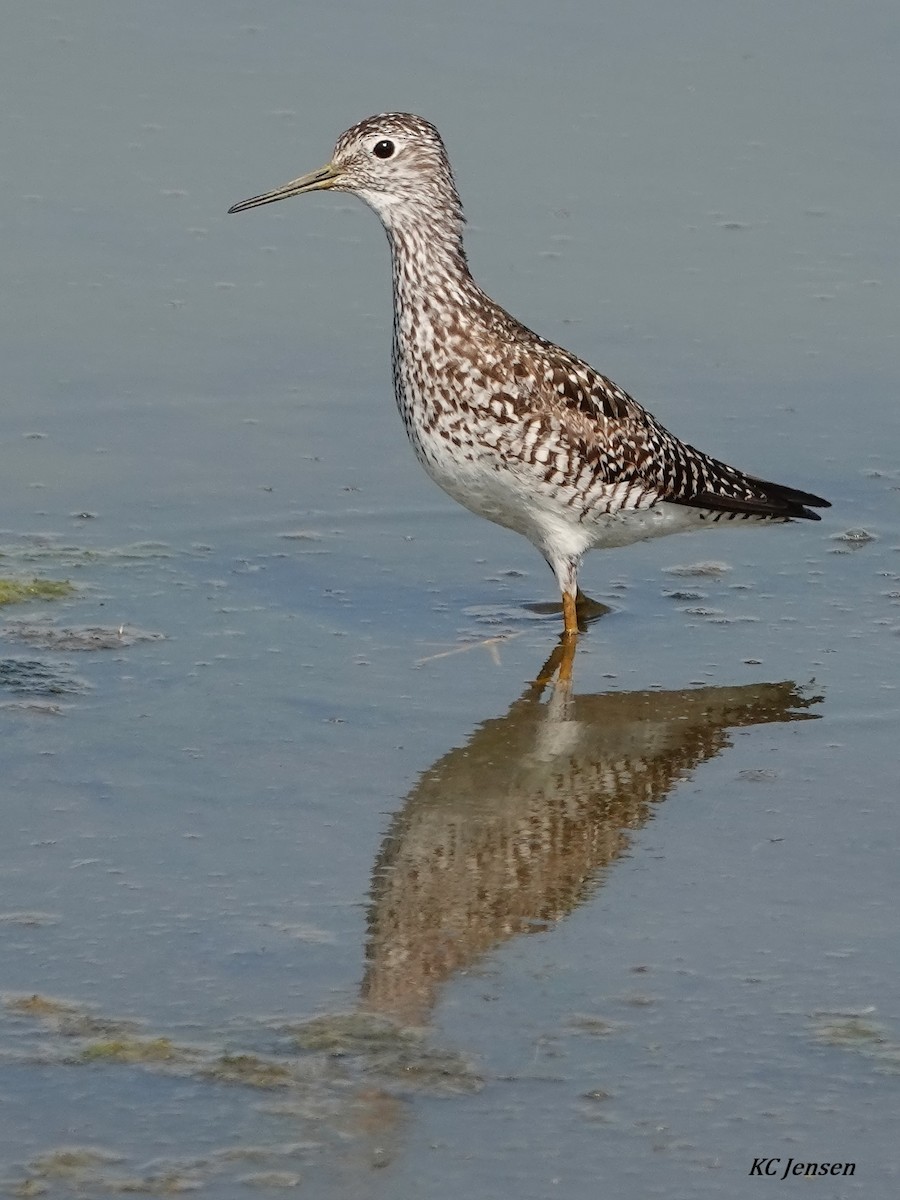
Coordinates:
column 570, row 614
column 578, row 609
column 566, row 572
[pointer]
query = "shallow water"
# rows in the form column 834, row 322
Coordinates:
column 314, row 885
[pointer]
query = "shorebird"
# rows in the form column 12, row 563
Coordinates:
column 511, row 425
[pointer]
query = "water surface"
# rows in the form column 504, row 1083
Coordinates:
column 317, row 878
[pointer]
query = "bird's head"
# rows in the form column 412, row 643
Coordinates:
column 395, row 162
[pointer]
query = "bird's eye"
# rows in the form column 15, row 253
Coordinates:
column 383, row 149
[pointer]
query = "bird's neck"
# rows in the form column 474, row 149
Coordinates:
column 431, row 274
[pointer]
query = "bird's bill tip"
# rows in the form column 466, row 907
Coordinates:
column 316, row 181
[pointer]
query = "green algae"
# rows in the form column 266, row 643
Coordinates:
column 249, row 1070
column 350, row 1033
column 85, row 1169
column 321, row 1078
column 367, row 1045
column 592, row 1025
column 71, row 1021
column 43, row 549
column 43, row 1007
column 170, row 1184
column 18, row 591
column 853, row 1033
column 271, row 1179
column 133, row 1050
column 28, row 1187
column 44, row 635
column 850, row 1031
column 397, row 1053
column 72, row 1162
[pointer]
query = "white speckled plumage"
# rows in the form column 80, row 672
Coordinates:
column 512, row 426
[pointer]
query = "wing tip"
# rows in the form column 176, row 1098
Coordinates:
column 797, row 504
column 763, row 499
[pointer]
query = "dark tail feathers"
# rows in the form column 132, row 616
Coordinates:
column 762, row 498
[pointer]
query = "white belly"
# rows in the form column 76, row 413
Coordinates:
column 514, row 494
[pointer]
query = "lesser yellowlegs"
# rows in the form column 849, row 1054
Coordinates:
column 512, row 426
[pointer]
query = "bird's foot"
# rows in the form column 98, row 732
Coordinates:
column 586, row 610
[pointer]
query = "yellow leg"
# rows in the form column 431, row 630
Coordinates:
column 570, row 615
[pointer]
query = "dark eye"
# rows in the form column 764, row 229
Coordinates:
column 383, row 149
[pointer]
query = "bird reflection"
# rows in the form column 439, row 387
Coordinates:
column 512, row 831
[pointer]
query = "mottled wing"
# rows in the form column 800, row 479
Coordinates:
column 643, row 464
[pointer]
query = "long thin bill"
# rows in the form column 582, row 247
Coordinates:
column 316, row 181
